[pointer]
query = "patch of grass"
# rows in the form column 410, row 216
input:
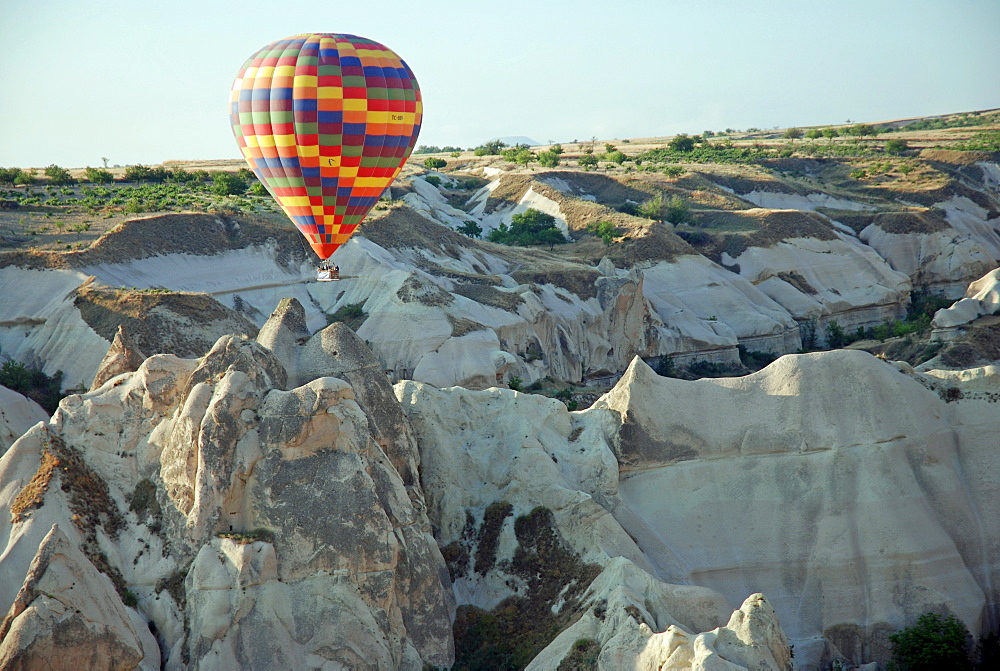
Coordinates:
column 796, row 280
column 251, row 536
column 461, row 326
column 33, row 494
column 426, row 293
column 457, row 555
column 512, row 634
column 489, row 535
column 130, row 599
column 911, row 221
column 173, row 584
column 352, row 315
column 185, row 324
column 488, row 295
column 89, row 500
column 582, row 656
column 577, row 280
column 143, row 501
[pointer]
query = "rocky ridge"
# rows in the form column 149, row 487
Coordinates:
column 197, row 486
column 209, row 477
column 253, row 525
column 768, row 262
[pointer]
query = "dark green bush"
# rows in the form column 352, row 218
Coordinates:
column 9, row 175
column 682, row 143
column 228, row 184
column 471, row 229
column 933, row 643
column 257, row 189
column 531, row 227
column 605, row 230
column 98, row 176
column 33, row 383
column 896, row 146
column 58, row 175
column 548, row 159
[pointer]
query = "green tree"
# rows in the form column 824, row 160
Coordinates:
column 58, row 175
column 654, row 208
column 25, row 177
column 551, row 237
column 228, row 184
column 434, row 163
column 523, row 156
column 548, row 159
column 896, row 146
column 793, row 134
column 257, row 189
column 861, row 131
column 835, row 335
column 9, row 175
column 556, row 149
column 587, row 160
column 491, row 148
column 471, row 229
column 531, row 227
column 615, row 156
column 143, row 173
column 831, row 133
column 682, row 142
column 605, row 230
column 932, row 643
column 677, row 211
column 33, row 383
column 98, row 176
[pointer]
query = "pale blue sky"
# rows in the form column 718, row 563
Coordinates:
column 144, row 82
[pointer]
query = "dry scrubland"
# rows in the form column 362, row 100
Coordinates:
column 72, row 216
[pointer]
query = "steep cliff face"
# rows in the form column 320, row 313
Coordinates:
column 854, row 493
column 283, row 505
column 844, row 490
column 522, row 493
column 253, row 526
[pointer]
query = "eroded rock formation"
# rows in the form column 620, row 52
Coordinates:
column 254, row 526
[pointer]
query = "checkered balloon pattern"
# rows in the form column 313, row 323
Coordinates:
column 326, row 121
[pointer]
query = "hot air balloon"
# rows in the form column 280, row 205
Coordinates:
column 326, row 122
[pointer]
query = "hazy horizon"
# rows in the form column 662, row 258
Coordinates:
column 147, row 84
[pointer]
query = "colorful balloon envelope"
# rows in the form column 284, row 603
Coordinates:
column 326, row 122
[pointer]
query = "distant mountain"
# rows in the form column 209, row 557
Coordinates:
column 517, row 139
